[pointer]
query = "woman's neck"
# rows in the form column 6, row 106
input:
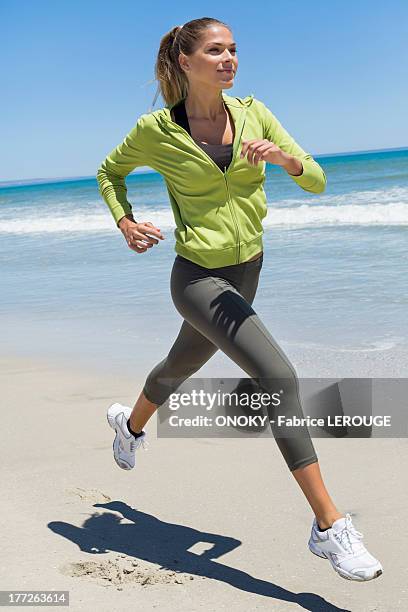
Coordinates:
column 204, row 106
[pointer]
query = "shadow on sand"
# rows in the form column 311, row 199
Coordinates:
column 167, row 544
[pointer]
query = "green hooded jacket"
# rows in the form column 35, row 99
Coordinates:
column 218, row 215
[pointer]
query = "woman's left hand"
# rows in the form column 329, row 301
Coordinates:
column 264, row 150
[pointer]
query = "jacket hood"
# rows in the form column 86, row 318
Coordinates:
column 234, row 102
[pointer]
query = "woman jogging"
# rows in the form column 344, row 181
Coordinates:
column 211, row 149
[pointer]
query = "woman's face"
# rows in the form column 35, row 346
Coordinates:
column 214, row 62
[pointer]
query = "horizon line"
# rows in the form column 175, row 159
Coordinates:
column 150, row 170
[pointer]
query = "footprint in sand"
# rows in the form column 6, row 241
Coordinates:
column 124, row 571
column 90, row 495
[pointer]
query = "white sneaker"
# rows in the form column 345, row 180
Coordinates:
column 342, row 545
column 125, row 443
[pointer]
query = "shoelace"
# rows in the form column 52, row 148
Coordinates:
column 134, row 444
column 346, row 535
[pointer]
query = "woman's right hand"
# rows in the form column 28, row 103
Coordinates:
column 136, row 234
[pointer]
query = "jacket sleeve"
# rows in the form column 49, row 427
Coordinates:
column 132, row 152
column 313, row 177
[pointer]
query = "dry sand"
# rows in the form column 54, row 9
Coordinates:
column 200, row 524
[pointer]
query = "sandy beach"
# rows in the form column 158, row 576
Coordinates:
column 200, row 524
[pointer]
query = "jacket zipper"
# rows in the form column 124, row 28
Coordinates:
column 224, row 174
column 233, row 215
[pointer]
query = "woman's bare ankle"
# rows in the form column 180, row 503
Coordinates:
column 325, row 521
column 141, row 413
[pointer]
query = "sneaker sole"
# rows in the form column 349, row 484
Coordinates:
column 342, row 573
column 115, row 446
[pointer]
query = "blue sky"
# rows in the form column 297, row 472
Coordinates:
column 74, row 74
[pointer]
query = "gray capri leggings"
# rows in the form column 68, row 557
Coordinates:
column 216, row 305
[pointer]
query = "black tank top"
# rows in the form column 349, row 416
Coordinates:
column 220, row 153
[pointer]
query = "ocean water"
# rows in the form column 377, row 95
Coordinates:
column 334, row 273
